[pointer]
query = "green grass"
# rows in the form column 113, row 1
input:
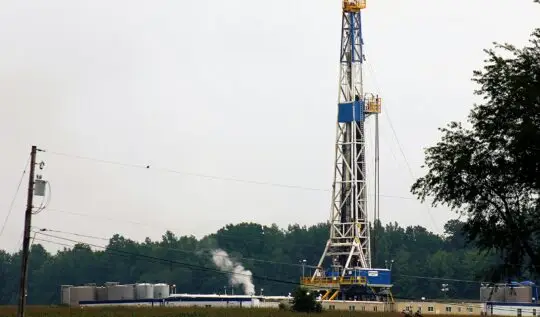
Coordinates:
column 46, row 311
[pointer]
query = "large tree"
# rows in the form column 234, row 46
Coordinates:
column 490, row 170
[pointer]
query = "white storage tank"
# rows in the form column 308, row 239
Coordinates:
column 121, row 292
column 101, row 293
column 144, row 291
column 64, row 294
column 161, row 290
column 81, row 293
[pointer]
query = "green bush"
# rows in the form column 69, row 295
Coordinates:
column 305, row 302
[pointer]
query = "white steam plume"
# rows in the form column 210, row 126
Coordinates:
column 238, row 275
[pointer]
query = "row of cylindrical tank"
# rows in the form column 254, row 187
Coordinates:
column 72, row 295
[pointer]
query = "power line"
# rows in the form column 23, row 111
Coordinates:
column 144, row 224
column 14, row 197
column 222, row 235
column 20, row 241
column 206, row 176
column 227, row 236
column 201, row 175
column 252, row 238
column 440, row 279
column 107, row 248
column 162, row 227
column 70, row 233
column 168, row 261
column 196, row 252
column 370, row 68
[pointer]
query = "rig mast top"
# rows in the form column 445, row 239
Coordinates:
column 353, row 6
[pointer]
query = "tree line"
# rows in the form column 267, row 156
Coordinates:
column 418, row 259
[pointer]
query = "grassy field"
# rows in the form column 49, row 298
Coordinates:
column 45, row 311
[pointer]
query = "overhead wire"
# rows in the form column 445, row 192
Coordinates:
column 446, row 279
column 14, row 197
column 179, row 172
column 227, row 236
column 161, row 227
column 169, row 170
column 197, row 252
column 232, row 238
column 222, row 235
column 169, row 261
column 202, row 175
column 39, row 229
column 411, row 173
column 41, row 232
column 20, row 241
column 79, row 214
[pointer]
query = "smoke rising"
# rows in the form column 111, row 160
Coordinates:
column 238, row 275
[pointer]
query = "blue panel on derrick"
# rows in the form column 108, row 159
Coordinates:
column 377, row 276
column 351, row 111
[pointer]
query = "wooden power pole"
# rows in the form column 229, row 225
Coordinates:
column 26, row 240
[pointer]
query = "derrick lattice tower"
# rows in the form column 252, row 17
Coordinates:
column 347, row 253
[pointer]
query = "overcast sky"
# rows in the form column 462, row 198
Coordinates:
column 232, row 89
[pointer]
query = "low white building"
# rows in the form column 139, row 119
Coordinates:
column 512, row 309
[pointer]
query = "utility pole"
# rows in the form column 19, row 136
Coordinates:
column 26, row 240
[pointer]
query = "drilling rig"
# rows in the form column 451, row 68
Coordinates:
column 347, row 254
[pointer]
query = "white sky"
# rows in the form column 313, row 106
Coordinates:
column 241, row 89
